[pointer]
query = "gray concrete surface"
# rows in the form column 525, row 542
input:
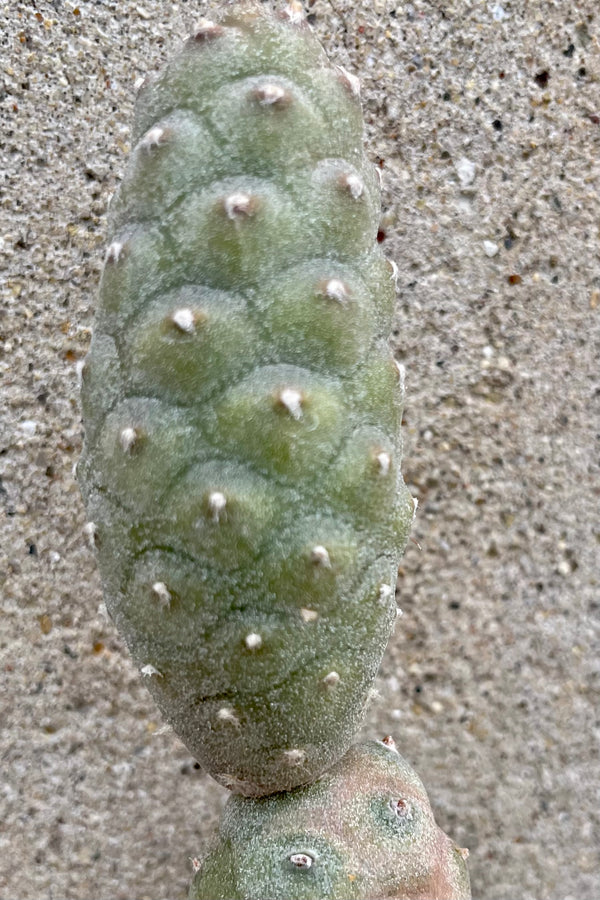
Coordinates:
column 485, row 120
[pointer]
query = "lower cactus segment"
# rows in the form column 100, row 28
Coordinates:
column 364, row 831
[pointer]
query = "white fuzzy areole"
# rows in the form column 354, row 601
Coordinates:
column 384, row 461
column 253, row 641
column 90, row 530
column 385, row 592
column 226, row 714
column 301, row 860
column 205, row 25
column 292, row 400
column 401, row 374
column 355, row 186
column 206, row 29
column 148, row 671
column 153, row 138
column 331, row 679
column 184, row 320
column 294, row 757
column 114, row 251
column 309, row 615
column 128, row 439
column 320, row 557
column 270, row 93
column 162, row 593
column 335, row 289
column 79, row 367
column 236, row 205
column 217, row 503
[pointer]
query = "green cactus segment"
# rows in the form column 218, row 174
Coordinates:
column 102, row 385
column 158, row 171
column 188, row 345
column 284, row 420
column 244, row 44
column 242, row 407
column 219, row 513
column 320, row 315
column 365, row 830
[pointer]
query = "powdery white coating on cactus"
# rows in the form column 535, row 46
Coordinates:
column 364, row 831
column 241, row 405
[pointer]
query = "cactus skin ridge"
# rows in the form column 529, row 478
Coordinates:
column 242, row 408
column 363, row 831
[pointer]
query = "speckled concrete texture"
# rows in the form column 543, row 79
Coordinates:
column 485, row 120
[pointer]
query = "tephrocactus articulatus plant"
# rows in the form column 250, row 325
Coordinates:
column 241, row 465
column 363, row 831
column 242, row 407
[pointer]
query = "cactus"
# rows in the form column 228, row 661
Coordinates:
column 241, row 466
column 364, row 830
column 242, row 408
